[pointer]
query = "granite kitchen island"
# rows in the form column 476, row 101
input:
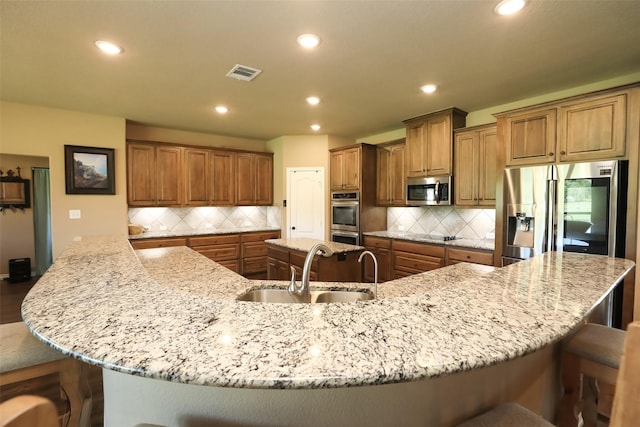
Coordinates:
column 433, row 349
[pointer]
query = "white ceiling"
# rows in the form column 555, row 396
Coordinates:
column 373, row 58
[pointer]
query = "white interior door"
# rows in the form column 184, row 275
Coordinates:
column 305, row 203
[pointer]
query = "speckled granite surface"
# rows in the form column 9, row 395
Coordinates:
column 160, row 234
column 486, row 244
column 170, row 314
column 305, row 244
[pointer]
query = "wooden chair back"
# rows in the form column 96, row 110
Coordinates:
column 28, row 411
column 626, row 400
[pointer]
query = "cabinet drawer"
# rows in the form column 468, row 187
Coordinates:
column 376, row 242
column 254, row 265
column 220, row 252
column 214, row 240
column 462, row 255
column 282, row 255
column 416, row 263
column 260, row 237
column 233, row 265
column 254, row 249
column 419, row 248
column 157, row 243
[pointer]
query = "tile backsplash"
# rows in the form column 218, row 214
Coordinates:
column 434, row 220
column 443, row 221
column 204, row 218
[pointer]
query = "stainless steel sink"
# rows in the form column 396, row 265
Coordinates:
column 283, row 296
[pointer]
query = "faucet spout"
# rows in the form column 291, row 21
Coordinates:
column 303, row 290
column 375, row 270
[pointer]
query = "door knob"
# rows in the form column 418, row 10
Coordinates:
column 293, row 228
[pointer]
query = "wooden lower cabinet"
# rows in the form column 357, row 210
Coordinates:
column 244, row 253
column 381, row 248
column 254, row 253
column 413, row 258
column 476, row 256
column 223, row 249
column 340, row 267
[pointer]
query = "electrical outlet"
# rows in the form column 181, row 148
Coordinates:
column 75, row 214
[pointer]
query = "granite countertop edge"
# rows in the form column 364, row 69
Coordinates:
column 172, row 314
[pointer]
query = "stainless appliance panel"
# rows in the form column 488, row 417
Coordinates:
column 347, row 237
column 345, row 211
column 430, row 191
column 527, row 192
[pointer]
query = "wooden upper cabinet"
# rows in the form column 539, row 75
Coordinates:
column 430, row 142
column 488, row 152
column 531, row 137
column 475, row 166
column 466, row 169
column 391, row 178
column 581, row 129
column 154, row 175
column 196, row 175
column 209, row 177
column 222, row 180
column 254, row 183
column 593, row 129
column 345, row 169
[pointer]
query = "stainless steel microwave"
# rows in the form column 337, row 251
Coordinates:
column 430, row 191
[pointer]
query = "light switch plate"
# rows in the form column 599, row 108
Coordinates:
column 74, row 214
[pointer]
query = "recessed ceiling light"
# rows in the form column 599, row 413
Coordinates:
column 313, row 100
column 509, row 7
column 221, row 109
column 108, row 47
column 430, row 88
column 308, row 40
column 315, row 127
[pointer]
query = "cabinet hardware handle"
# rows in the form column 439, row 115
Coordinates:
column 563, row 152
column 551, row 154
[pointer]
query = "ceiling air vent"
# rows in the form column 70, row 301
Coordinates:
column 242, row 72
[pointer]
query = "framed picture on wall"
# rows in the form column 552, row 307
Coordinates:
column 89, row 170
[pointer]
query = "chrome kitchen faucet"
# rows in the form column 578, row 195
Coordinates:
column 303, row 290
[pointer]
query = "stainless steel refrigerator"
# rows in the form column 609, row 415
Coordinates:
column 577, row 207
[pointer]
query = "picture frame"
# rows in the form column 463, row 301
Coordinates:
column 89, row 170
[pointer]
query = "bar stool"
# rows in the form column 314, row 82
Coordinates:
column 626, row 401
column 590, row 359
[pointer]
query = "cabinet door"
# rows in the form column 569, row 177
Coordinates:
column 439, row 148
column 141, row 181
column 416, row 149
column 466, row 172
column 397, row 176
column 593, row 129
column 352, row 169
column 196, row 174
column 337, row 170
column 383, row 178
column 487, row 153
column 169, row 175
column 222, row 178
column 530, row 138
column 264, row 180
column 246, row 178
column 381, row 248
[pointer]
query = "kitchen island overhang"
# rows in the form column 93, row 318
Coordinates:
column 147, row 315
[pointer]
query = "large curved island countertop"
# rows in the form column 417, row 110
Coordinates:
column 171, row 314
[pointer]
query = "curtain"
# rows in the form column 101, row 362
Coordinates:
column 42, row 219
